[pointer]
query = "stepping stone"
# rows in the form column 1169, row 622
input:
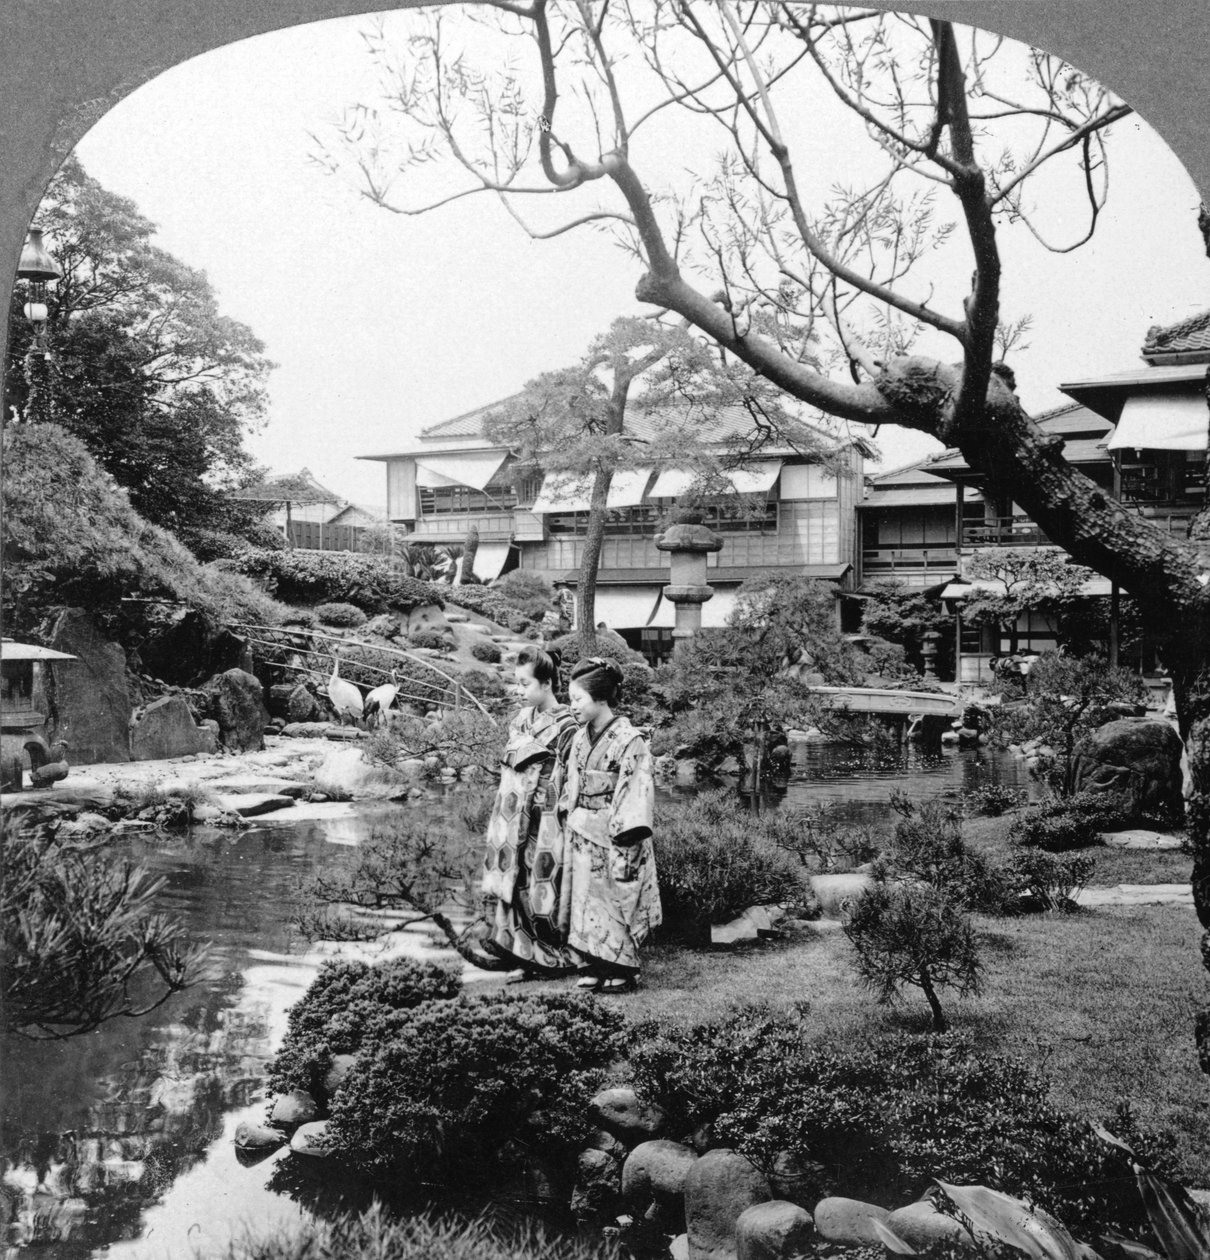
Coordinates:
column 1141, row 838
column 1137, row 895
column 242, row 785
column 253, row 804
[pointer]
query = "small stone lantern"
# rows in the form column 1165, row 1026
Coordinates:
column 928, row 651
column 688, row 542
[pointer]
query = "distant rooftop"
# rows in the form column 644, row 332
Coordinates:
column 1187, row 341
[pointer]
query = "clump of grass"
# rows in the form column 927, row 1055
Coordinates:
column 373, row 1235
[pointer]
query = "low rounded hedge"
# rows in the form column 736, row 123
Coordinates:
column 318, row 577
column 429, row 639
column 1073, row 822
column 454, row 1082
column 486, row 651
column 347, row 615
column 348, row 1005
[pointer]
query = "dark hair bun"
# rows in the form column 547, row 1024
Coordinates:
column 556, row 657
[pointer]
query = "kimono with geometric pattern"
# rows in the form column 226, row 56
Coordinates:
column 522, row 867
column 610, row 899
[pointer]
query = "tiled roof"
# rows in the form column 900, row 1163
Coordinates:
column 1188, row 336
column 469, row 424
column 1083, row 432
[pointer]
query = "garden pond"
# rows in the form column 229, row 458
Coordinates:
column 120, row 1142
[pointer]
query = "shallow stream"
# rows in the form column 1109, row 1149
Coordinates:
column 119, row 1143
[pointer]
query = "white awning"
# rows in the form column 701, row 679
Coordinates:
column 489, row 560
column 756, row 478
column 718, row 608
column 466, row 468
column 1162, row 422
column 563, row 493
column 626, row 607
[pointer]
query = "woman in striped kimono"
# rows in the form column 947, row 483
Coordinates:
column 610, row 900
column 522, row 868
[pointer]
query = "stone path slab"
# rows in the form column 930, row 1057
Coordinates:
column 1137, row 895
column 253, row 804
column 1141, row 838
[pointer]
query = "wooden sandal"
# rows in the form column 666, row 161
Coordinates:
column 589, row 983
column 618, row 984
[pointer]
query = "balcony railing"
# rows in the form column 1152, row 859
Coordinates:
column 1002, row 531
column 908, row 561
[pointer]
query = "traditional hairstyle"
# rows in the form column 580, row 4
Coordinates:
column 600, row 677
column 545, row 664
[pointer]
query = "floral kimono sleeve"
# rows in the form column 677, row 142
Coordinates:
column 633, row 807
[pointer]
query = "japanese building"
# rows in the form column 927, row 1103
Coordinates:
column 787, row 512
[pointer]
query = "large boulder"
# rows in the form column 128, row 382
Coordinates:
column 165, row 728
column 303, row 705
column 719, row 1188
column 1138, row 759
column 656, row 1171
column 849, row 1221
column 776, row 1230
column 923, row 1225
column 236, row 701
column 626, row 1115
column 427, row 617
column 89, row 699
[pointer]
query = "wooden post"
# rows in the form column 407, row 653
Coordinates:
column 1115, row 606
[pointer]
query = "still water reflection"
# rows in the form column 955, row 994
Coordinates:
column 120, row 1142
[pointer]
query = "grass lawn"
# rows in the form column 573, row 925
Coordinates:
column 1101, row 1003
column 989, row 836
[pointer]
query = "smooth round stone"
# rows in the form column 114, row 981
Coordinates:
column 259, row 1137
column 842, row 1220
column 776, row 1230
column 312, row 1140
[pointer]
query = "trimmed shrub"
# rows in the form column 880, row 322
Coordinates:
column 715, row 860
column 484, row 600
column 1075, row 822
column 340, row 615
column 348, row 1004
column 879, row 1122
column 429, row 639
column 483, row 650
column 526, row 592
column 456, row 1081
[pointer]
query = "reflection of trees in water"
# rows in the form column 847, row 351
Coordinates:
column 83, row 1175
column 97, row 1128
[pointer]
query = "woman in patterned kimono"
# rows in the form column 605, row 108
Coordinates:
column 523, row 865
column 610, row 900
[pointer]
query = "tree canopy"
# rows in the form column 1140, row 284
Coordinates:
column 144, row 369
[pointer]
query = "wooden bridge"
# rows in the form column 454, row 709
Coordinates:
column 888, row 702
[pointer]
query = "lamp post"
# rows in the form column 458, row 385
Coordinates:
column 37, row 268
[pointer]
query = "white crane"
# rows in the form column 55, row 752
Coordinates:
column 379, row 701
column 345, row 697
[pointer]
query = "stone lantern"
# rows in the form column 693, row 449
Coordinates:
column 688, row 541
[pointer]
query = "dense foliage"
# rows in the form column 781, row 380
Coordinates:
column 318, row 577
column 72, row 537
column 716, row 859
column 903, row 615
column 879, row 1122
column 433, row 639
column 486, row 651
column 458, row 1080
column 82, row 941
column 348, row 1005
column 525, row 591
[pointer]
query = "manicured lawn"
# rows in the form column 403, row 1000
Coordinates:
column 1101, row 1003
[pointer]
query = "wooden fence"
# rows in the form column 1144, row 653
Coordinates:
column 311, row 536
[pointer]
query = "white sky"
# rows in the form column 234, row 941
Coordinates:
column 381, row 325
